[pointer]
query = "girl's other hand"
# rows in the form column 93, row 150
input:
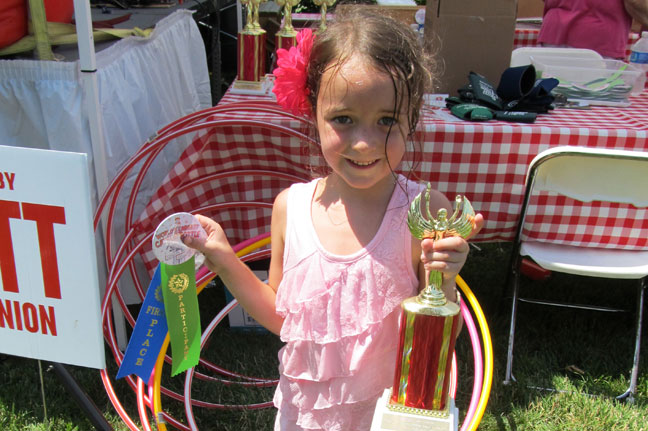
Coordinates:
column 216, row 248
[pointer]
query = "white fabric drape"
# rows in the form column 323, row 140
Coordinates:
column 144, row 84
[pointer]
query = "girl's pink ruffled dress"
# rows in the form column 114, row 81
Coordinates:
column 341, row 317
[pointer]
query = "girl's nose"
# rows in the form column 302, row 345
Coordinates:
column 366, row 138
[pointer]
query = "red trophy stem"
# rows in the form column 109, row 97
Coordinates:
column 251, row 64
column 424, row 360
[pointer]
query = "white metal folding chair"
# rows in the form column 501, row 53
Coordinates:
column 584, row 174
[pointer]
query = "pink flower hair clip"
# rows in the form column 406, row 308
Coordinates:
column 290, row 75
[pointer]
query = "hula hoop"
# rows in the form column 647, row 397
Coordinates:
column 477, row 364
column 488, row 356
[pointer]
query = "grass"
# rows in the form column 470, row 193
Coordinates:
column 582, row 357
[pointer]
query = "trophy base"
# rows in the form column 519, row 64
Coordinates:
column 387, row 418
column 259, row 88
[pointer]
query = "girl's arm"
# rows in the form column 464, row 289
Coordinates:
column 278, row 231
column 256, row 297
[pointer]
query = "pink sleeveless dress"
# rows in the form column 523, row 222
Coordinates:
column 341, row 317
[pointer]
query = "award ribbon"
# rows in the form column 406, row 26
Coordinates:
column 183, row 319
column 148, row 334
column 178, row 281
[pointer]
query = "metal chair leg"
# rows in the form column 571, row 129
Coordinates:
column 628, row 395
column 508, row 377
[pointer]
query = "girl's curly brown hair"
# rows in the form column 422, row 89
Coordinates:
column 388, row 45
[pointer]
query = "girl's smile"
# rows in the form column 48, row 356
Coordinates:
column 363, row 164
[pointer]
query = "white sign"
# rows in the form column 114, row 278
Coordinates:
column 49, row 289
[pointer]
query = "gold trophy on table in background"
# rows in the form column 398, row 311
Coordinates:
column 419, row 397
column 251, row 53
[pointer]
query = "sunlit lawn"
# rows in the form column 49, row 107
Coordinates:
column 581, row 358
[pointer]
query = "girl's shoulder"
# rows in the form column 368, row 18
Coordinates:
column 299, row 191
column 281, row 202
column 295, row 189
column 291, row 196
column 412, row 187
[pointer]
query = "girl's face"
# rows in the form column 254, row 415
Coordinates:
column 355, row 109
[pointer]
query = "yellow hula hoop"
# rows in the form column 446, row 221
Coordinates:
column 488, row 352
column 157, row 376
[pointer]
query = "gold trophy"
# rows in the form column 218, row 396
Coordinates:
column 286, row 36
column 419, row 397
column 251, row 54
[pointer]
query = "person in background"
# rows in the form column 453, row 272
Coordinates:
column 600, row 25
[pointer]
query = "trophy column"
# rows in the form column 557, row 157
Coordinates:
column 251, row 50
column 419, row 397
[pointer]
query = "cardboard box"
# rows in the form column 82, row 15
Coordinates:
column 469, row 35
column 530, row 8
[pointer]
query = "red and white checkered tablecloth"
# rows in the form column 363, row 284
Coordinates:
column 487, row 162
column 525, row 37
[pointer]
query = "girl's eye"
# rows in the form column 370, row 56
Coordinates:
column 342, row 119
column 388, row 121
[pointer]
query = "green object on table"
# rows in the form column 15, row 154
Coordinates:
column 472, row 112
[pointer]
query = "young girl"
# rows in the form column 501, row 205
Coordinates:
column 342, row 257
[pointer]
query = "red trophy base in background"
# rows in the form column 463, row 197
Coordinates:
column 285, row 41
column 251, row 61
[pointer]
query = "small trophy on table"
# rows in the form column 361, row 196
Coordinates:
column 251, row 53
column 419, row 397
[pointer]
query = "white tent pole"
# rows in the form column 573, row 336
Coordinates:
column 88, row 67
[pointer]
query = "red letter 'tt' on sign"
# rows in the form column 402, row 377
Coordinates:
column 45, row 216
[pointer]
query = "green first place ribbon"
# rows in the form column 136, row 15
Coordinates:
column 183, row 318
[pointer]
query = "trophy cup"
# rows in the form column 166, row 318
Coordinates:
column 251, row 54
column 419, row 397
